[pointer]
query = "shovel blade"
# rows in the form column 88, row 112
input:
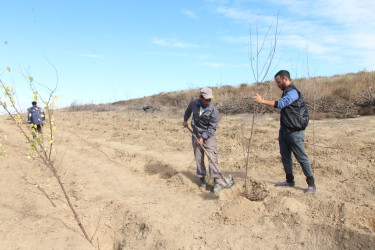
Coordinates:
column 226, row 183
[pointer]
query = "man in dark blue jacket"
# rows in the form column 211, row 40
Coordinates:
column 36, row 117
column 294, row 118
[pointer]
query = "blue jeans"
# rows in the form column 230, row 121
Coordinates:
column 294, row 142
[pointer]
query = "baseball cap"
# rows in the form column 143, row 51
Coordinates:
column 206, row 93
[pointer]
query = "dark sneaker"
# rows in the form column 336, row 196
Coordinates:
column 310, row 190
column 203, row 183
column 285, row 184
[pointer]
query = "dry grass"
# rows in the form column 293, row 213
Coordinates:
column 339, row 96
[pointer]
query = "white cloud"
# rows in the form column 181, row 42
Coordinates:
column 205, row 57
column 341, row 29
column 250, row 16
column 333, row 30
column 189, row 13
column 175, row 43
column 235, row 13
column 358, row 14
column 297, row 41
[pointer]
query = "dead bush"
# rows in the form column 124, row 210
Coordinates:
column 342, row 93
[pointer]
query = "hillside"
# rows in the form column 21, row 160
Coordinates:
column 340, row 96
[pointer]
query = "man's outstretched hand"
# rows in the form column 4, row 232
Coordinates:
column 258, row 99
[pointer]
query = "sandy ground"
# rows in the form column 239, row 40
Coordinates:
column 131, row 177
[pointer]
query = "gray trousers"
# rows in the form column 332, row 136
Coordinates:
column 211, row 148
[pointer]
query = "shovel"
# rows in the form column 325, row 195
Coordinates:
column 228, row 183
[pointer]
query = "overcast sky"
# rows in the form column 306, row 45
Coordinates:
column 105, row 51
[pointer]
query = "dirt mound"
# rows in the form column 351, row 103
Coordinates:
column 136, row 233
column 254, row 190
column 239, row 211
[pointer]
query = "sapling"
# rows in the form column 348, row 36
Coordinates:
column 260, row 66
column 40, row 144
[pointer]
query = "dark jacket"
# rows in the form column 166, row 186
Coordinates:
column 295, row 116
column 36, row 116
column 205, row 125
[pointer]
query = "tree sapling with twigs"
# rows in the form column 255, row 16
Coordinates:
column 41, row 145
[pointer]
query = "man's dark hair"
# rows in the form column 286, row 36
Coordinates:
column 33, row 103
column 283, row 73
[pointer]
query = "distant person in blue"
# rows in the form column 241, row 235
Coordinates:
column 36, row 117
column 294, row 118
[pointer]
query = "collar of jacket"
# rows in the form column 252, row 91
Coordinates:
column 200, row 105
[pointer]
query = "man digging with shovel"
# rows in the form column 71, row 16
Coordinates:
column 204, row 123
